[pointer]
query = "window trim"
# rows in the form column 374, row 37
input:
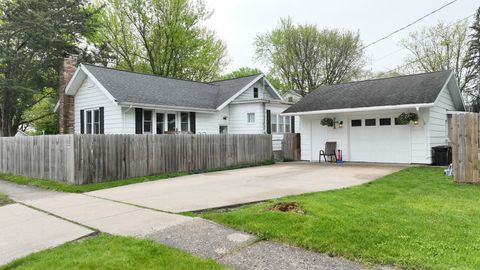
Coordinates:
column 274, row 121
column 157, row 122
column 151, row 122
column 187, row 123
column 174, row 124
column 92, row 123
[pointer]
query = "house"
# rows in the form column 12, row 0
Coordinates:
column 292, row 96
column 365, row 116
column 110, row 101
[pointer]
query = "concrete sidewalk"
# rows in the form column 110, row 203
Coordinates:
column 24, row 230
column 232, row 187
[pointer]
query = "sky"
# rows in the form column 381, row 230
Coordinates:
column 238, row 22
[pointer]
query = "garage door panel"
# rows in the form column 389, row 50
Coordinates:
column 390, row 144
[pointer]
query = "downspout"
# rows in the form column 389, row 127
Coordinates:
column 123, row 118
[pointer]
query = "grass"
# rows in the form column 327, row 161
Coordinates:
column 111, row 252
column 4, row 199
column 415, row 219
column 67, row 187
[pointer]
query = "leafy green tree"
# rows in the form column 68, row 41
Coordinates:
column 439, row 47
column 473, row 64
column 43, row 120
column 163, row 37
column 304, row 57
column 241, row 72
column 34, row 35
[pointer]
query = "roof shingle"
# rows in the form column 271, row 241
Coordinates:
column 408, row 89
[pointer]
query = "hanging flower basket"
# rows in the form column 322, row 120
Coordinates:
column 406, row 118
column 327, row 122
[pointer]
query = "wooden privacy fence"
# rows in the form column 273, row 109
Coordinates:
column 291, row 146
column 84, row 158
column 464, row 136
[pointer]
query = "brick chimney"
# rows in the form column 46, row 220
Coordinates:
column 66, row 109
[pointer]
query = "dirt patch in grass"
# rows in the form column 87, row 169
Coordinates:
column 291, row 207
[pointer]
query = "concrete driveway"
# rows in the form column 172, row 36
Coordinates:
column 232, row 187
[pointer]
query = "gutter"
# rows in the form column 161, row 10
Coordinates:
column 363, row 109
column 166, row 108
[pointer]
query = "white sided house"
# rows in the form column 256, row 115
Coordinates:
column 365, row 115
column 111, row 101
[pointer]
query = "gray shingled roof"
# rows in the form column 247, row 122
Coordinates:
column 132, row 87
column 409, row 89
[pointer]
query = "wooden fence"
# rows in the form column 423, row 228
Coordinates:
column 291, row 146
column 464, row 136
column 84, row 159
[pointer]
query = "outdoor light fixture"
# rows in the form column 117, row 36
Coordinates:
column 340, row 124
column 415, row 122
column 335, row 122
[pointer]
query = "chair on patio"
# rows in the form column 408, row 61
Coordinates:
column 330, row 149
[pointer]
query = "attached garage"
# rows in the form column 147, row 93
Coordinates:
column 390, row 120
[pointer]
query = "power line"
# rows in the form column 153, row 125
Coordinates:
column 410, row 24
column 398, row 50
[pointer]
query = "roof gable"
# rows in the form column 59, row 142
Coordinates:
column 403, row 90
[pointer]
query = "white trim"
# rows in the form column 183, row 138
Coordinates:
column 69, row 84
column 363, row 109
column 57, row 105
column 273, row 88
column 456, row 112
column 219, row 108
column 104, row 90
column 166, row 108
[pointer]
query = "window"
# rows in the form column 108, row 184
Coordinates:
column 398, row 123
column 370, row 122
column 357, row 123
column 171, row 122
column 287, row 124
column 89, row 122
column 160, row 123
column 274, row 122
column 385, row 121
column 251, row 117
column 255, row 92
column 281, row 125
column 96, row 122
column 147, row 121
column 184, row 121
column 93, row 121
column 290, row 99
column 223, row 129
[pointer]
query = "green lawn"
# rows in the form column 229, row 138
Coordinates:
column 4, row 199
column 66, row 187
column 416, row 218
column 112, row 252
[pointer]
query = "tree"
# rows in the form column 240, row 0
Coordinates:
column 241, row 72
column 34, row 35
column 304, row 57
column 163, row 37
column 439, row 47
column 473, row 64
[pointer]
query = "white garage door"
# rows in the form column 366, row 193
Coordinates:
column 379, row 140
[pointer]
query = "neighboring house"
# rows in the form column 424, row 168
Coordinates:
column 292, row 96
column 366, row 115
column 111, row 101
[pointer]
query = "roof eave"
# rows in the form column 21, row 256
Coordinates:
column 166, row 108
column 362, row 109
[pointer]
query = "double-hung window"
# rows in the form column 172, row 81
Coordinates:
column 160, row 123
column 184, row 121
column 274, row 123
column 287, row 124
column 255, row 92
column 92, row 124
column 251, row 118
column 281, row 124
column 147, row 121
column 171, row 122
